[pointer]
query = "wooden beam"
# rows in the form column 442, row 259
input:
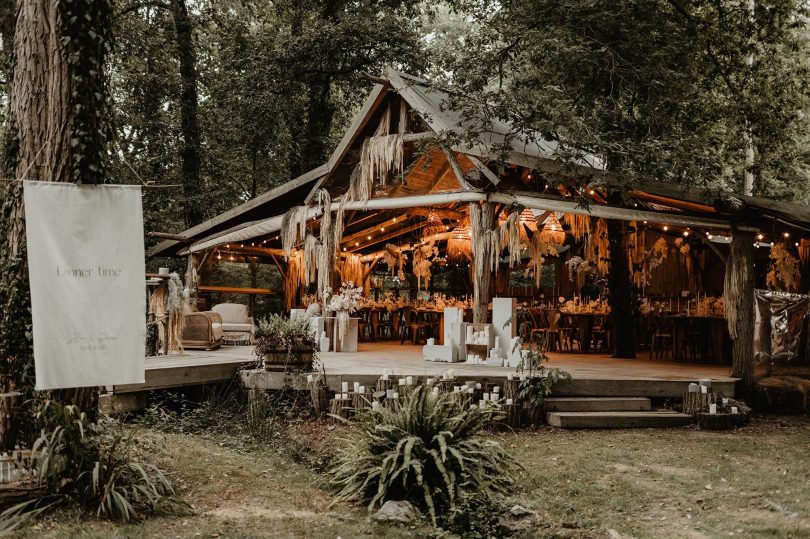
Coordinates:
column 365, row 232
column 451, row 158
column 239, row 290
column 385, row 237
column 247, row 250
column 491, row 176
column 168, row 236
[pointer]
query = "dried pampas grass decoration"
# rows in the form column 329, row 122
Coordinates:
column 784, row 272
column 421, row 262
column 295, row 277
column 352, row 269
column 395, row 259
column 168, row 302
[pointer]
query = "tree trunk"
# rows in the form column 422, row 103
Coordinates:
column 620, row 299
column 189, row 125
column 738, row 297
column 56, row 121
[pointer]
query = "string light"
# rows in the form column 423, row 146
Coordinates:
column 357, row 244
column 787, row 234
column 666, row 228
column 685, row 233
column 760, row 236
column 382, row 229
column 368, row 237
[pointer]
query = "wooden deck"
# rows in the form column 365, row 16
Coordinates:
column 191, row 368
column 592, row 374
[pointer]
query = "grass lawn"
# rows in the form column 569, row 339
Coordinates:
column 640, row 483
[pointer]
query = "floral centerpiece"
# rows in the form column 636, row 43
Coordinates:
column 343, row 303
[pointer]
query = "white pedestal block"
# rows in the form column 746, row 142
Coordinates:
column 452, row 326
column 504, row 320
column 494, row 362
column 349, row 343
column 436, row 352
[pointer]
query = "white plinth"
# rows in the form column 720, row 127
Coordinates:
column 504, row 318
column 436, row 352
column 349, row 342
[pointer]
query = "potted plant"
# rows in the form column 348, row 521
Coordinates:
column 285, row 343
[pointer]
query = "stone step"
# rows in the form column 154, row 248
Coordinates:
column 598, row 404
column 617, row 419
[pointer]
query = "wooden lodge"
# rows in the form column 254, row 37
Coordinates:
column 417, row 210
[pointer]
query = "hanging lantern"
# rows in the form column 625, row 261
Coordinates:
column 552, row 232
column 459, row 246
column 527, row 224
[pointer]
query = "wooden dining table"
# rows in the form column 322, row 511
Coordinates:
column 584, row 322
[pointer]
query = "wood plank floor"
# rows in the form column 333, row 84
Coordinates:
column 592, row 374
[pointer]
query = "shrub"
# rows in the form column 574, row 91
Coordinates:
column 425, row 451
column 82, row 463
column 279, row 334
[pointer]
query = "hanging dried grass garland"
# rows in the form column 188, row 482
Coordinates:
column 579, row 225
column 352, row 270
column 293, row 228
column 295, row 277
column 395, row 259
column 598, row 248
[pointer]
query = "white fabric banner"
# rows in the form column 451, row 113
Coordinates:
column 88, row 298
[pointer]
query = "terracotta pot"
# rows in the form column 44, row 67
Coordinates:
column 282, row 360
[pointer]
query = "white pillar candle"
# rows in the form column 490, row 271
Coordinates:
column 357, row 387
column 396, row 394
column 477, row 386
column 486, row 396
column 508, row 402
column 389, row 393
column 344, row 387
column 401, row 382
column 362, row 389
column 713, row 408
column 704, row 389
column 409, row 380
column 510, row 376
column 309, row 378
column 734, row 410
column 496, row 389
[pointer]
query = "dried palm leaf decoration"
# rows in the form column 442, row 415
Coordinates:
column 459, row 244
column 352, row 269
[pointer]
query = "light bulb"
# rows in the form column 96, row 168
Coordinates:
column 666, row 228
column 760, row 236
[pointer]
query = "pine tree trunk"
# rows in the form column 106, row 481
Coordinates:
column 620, row 299
column 189, row 124
column 482, row 284
column 738, row 296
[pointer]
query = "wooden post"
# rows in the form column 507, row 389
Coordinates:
column 482, row 270
column 738, row 297
column 620, row 299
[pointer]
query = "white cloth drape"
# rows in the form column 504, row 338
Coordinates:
column 86, row 267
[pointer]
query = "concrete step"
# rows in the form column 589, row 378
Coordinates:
column 617, row 419
column 598, row 404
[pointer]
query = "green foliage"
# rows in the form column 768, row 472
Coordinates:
column 425, row 450
column 86, row 464
column 656, row 88
column 278, row 333
column 538, row 381
column 86, row 35
column 475, row 516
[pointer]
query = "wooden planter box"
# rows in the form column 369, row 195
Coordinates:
column 283, row 361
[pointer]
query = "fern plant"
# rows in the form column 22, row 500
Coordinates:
column 426, row 451
column 81, row 463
